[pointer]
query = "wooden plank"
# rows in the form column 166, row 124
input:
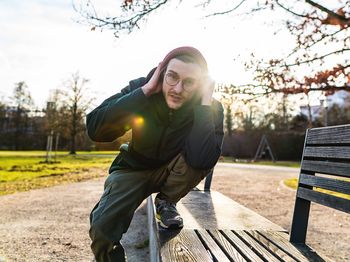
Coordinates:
column 311, row 254
column 225, row 245
column 207, row 210
column 329, row 135
column 300, row 250
column 154, row 244
column 280, row 240
column 184, row 246
column 335, row 152
column 325, row 183
column 326, row 167
column 256, row 246
column 268, row 244
column 242, row 246
column 210, row 244
column 341, row 204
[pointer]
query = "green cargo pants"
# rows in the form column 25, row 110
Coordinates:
column 124, row 191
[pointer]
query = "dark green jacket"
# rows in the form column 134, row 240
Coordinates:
column 194, row 130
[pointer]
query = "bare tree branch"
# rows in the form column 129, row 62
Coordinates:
column 294, row 13
column 329, row 12
column 228, row 11
column 120, row 23
column 297, row 48
column 317, row 58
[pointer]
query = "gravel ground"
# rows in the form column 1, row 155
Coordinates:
column 51, row 224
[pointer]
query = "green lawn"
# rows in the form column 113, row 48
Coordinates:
column 270, row 163
column 59, row 153
column 25, row 170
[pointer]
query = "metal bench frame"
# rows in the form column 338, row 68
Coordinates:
column 326, row 152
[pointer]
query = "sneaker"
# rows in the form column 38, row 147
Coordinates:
column 167, row 214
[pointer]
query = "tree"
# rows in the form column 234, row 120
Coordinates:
column 74, row 106
column 321, row 33
column 228, row 120
column 2, row 115
column 299, row 123
column 337, row 115
column 322, row 42
column 53, row 119
column 23, row 104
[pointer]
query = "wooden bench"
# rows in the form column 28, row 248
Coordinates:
column 219, row 229
column 325, row 164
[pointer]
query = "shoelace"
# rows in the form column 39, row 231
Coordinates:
column 167, row 206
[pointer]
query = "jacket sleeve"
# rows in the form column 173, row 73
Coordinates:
column 203, row 146
column 112, row 118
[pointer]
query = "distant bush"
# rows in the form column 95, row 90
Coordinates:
column 284, row 145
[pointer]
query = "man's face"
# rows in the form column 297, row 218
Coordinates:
column 181, row 82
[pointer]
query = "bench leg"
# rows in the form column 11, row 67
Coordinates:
column 300, row 221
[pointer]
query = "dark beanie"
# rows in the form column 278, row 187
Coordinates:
column 183, row 50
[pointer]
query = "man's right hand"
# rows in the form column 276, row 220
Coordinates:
column 153, row 86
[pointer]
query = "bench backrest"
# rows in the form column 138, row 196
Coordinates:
column 324, row 175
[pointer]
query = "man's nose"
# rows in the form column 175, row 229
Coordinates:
column 178, row 87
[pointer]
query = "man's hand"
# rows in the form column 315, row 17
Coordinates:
column 153, row 86
column 208, row 85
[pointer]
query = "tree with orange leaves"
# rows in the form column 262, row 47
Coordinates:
column 317, row 62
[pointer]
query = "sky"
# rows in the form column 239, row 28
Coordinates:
column 42, row 43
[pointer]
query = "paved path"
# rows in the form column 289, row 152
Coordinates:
column 51, row 224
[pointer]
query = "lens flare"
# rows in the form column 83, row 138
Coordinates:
column 138, row 121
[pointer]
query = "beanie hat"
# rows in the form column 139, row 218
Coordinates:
column 184, row 50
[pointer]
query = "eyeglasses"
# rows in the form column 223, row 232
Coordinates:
column 173, row 79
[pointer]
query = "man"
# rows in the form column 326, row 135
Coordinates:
column 177, row 132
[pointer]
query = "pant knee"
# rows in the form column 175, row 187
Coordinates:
column 96, row 232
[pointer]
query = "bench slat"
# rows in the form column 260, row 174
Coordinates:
column 329, row 135
column 212, row 246
column 335, row 152
column 326, row 167
column 186, row 246
column 341, row 204
column 271, row 246
column 154, row 243
column 335, row 185
column 226, row 245
column 280, row 239
column 207, row 210
column 258, row 248
column 245, row 249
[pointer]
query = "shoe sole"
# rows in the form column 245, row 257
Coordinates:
column 172, row 227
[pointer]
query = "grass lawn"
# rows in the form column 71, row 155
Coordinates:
column 269, row 163
column 25, row 170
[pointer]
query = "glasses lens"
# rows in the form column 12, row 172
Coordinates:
column 171, row 79
column 188, row 84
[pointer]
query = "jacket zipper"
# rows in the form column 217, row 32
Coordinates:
column 170, row 119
